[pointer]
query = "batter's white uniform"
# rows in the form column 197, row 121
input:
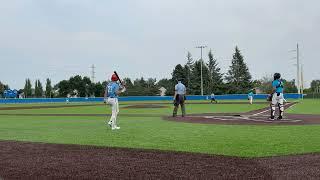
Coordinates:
column 113, row 102
column 112, row 90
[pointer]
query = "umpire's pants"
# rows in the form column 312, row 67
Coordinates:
column 179, row 100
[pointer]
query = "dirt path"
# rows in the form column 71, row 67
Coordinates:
column 23, row 160
column 129, row 105
column 256, row 117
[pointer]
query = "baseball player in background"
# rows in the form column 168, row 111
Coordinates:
column 277, row 96
column 113, row 89
column 213, row 98
column 179, row 98
column 250, row 97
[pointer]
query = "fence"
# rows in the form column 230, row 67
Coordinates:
column 139, row 98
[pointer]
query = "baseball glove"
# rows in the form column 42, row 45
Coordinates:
column 269, row 98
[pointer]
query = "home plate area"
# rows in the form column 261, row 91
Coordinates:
column 257, row 117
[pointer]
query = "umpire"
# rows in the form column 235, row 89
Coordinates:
column 179, row 98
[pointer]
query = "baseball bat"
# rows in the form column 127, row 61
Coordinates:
column 115, row 72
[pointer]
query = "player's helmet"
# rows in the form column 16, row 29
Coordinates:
column 114, row 77
column 276, row 76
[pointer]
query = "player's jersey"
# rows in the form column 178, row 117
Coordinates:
column 212, row 95
column 278, row 85
column 112, row 89
column 250, row 94
column 180, row 88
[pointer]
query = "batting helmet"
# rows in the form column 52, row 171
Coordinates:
column 276, row 76
column 114, row 77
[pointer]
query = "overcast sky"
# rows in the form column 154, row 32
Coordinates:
column 61, row 38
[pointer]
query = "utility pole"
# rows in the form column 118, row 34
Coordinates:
column 298, row 70
column 302, row 84
column 92, row 73
column 298, row 79
column 201, row 61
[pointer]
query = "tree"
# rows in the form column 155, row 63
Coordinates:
column 215, row 77
column 289, row 86
column 38, row 90
column 2, row 88
column 188, row 67
column 196, row 78
column 265, row 84
column 63, row 88
column 48, row 88
column 27, row 88
column 88, row 87
column 178, row 73
column 129, row 87
column 152, row 88
column 98, row 90
column 315, row 85
column 168, row 84
column 238, row 76
column 79, row 86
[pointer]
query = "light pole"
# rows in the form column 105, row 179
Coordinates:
column 298, row 68
column 201, row 47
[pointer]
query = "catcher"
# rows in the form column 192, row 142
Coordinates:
column 179, row 98
column 276, row 97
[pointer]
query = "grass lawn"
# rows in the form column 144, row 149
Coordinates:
column 155, row 133
column 306, row 106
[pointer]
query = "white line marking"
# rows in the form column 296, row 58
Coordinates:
column 247, row 118
column 261, row 112
column 289, row 104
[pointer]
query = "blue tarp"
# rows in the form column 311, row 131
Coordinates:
column 142, row 98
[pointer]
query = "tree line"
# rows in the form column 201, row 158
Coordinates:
column 237, row 80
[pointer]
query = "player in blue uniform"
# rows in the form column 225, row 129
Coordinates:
column 250, row 97
column 213, row 98
column 277, row 96
column 113, row 89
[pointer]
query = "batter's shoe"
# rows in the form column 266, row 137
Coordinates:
column 115, row 128
column 272, row 118
column 110, row 123
column 279, row 118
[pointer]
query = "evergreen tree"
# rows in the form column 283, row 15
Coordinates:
column 196, row 78
column 238, row 76
column 188, row 67
column 27, row 88
column 178, row 73
column 48, row 88
column 215, row 77
column 38, row 90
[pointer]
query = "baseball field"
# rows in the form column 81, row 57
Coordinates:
column 227, row 140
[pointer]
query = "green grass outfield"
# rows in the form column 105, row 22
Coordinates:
column 155, row 133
